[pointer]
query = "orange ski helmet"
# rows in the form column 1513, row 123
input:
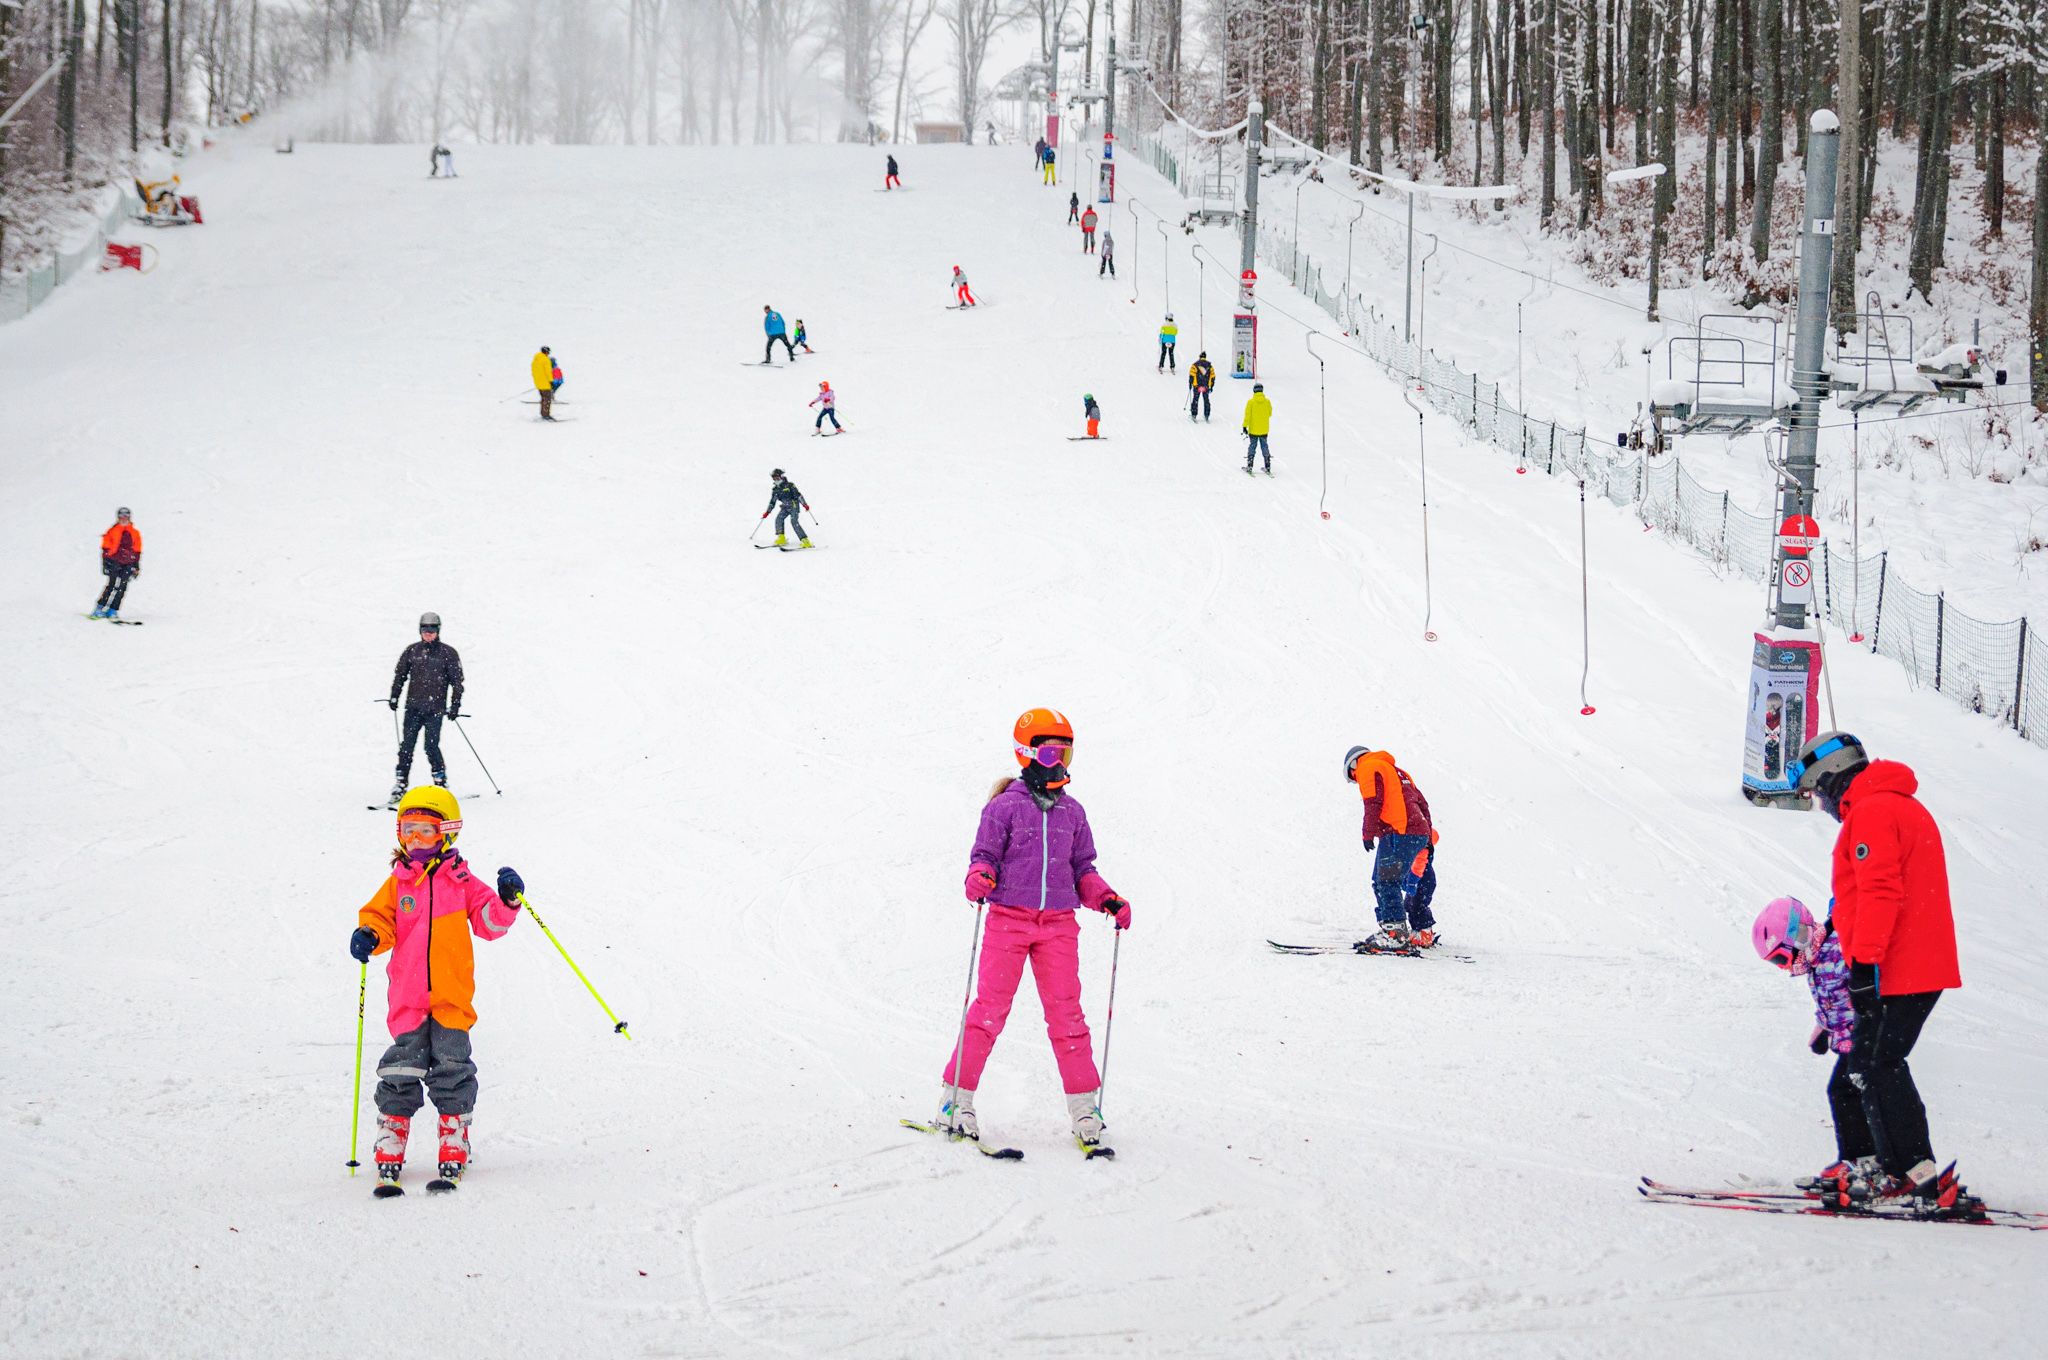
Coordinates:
column 1037, row 725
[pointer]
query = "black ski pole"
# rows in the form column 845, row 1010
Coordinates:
column 479, row 759
column 397, row 732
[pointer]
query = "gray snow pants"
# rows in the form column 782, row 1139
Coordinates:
column 433, row 1057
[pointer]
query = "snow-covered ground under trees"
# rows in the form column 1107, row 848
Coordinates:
column 741, row 787
column 1956, row 493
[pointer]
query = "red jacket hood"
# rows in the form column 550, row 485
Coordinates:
column 1882, row 776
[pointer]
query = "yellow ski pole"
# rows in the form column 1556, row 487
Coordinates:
column 618, row 1025
column 355, row 1114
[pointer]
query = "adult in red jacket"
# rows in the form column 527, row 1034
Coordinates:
column 1891, row 912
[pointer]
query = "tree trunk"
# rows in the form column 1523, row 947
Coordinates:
column 1994, row 162
column 67, row 93
column 170, row 58
column 1768, row 144
column 1667, row 112
column 1319, row 89
column 1717, row 119
column 1930, row 171
column 1849, row 174
column 1638, row 67
column 1523, row 77
column 1376, row 71
column 1590, row 199
column 1497, row 64
column 1734, row 90
column 2037, row 306
column 1697, row 9
column 1546, row 94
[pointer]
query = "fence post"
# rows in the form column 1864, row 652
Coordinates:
column 2019, row 680
column 1940, row 610
column 1550, row 463
column 1877, row 621
column 1724, row 526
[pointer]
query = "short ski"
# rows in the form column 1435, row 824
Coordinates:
column 1087, row 438
column 1353, row 948
column 387, row 1190
column 1094, row 1150
column 127, row 623
column 826, row 434
column 799, row 547
column 443, row 1185
column 1898, row 1212
column 999, row 1154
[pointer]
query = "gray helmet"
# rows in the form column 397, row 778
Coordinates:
column 430, row 620
column 121, row 512
column 1829, row 754
column 1351, row 760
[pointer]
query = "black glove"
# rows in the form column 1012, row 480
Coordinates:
column 1863, row 988
column 394, row 703
column 1368, row 842
column 453, row 715
column 362, row 944
column 510, row 885
column 1823, row 1040
column 136, row 571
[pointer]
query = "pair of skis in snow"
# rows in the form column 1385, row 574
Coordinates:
column 126, row 623
column 1091, row 1151
column 440, row 1185
column 1789, row 1200
column 1360, row 947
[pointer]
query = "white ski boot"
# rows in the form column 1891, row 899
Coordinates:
column 1087, row 1117
column 956, row 1114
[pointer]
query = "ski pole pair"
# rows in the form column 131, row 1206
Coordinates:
column 967, row 1003
column 398, row 731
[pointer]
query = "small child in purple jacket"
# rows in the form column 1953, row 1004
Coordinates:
column 1785, row 934
column 1033, row 863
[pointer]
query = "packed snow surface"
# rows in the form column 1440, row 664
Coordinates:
column 741, row 787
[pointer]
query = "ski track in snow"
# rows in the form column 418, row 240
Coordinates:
column 742, row 790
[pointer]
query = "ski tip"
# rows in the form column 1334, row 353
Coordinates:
column 388, row 1190
column 1003, row 1154
column 441, row 1187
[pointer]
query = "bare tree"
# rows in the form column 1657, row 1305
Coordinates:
column 972, row 23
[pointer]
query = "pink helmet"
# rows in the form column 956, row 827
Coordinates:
column 1783, row 934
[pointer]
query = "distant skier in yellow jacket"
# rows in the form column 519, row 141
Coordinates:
column 545, row 381
column 1258, row 422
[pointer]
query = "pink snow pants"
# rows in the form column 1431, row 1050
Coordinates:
column 1051, row 940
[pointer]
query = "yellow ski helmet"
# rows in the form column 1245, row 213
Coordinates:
column 438, row 801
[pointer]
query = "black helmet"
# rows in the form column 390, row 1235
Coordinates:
column 776, row 474
column 1824, row 759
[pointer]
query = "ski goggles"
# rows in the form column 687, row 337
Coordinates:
column 1048, row 753
column 415, row 829
column 1784, row 954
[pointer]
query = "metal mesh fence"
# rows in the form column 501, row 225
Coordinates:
column 33, row 288
column 1996, row 668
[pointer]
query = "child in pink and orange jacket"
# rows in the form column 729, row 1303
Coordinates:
column 423, row 917
column 1033, row 863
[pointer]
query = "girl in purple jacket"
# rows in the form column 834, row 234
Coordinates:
column 1785, row 934
column 1033, row 863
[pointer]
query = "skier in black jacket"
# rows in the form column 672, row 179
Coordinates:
column 435, row 672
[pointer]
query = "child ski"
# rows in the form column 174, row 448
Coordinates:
column 784, row 502
column 432, row 982
column 1033, row 864
column 1404, row 865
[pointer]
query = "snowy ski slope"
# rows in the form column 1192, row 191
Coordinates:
column 741, row 787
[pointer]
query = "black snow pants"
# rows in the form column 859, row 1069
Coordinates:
column 768, row 353
column 1201, row 399
column 417, row 721
column 1877, row 1065
column 116, row 588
